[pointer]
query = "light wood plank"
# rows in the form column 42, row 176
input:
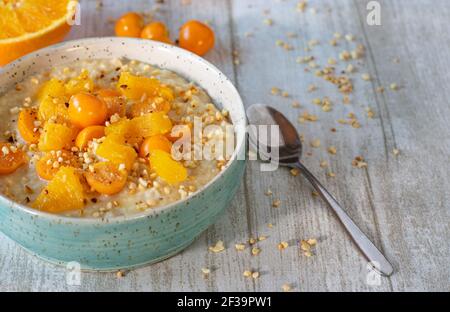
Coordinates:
column 410, row 193
column 337, row 265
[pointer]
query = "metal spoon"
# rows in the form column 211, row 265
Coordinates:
column 288, row 154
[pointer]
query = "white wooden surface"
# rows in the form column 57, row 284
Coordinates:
column 401, row 202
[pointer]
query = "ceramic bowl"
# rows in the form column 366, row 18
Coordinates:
column 151, row 236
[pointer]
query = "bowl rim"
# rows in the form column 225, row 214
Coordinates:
column 240, row 143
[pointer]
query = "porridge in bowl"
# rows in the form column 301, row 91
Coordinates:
column 104, row 138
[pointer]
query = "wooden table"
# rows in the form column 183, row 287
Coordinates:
column 401, row 201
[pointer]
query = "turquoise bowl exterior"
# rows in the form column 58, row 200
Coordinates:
column 128, row 241
column 121, row 242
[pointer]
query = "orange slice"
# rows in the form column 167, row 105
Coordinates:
column 28, row 25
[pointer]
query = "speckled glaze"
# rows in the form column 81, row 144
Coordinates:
column 126, row 242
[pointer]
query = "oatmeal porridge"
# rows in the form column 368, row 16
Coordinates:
column 104, row 138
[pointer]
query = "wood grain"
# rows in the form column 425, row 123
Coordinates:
column 401, row 202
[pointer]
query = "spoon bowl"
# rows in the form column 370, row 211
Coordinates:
column 283, row 144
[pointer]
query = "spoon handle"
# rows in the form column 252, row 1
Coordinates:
column 376, row 258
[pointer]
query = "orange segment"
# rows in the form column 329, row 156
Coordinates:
column 81, row 83
column 28, row 25
column 53, row 108
column 52, row 101
column 52, row 88
column 150, row 124
column 168, row 169
column 150, row 106
column 10, row 160
column 56, row 137
column 106, row 178
column 120, row 128
column 115, row 103
column 88, row 134
column 26, row 125
column 137, row 129
column 114, row 150
column 139, row 88
column 63, row 193
column 123, row 129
